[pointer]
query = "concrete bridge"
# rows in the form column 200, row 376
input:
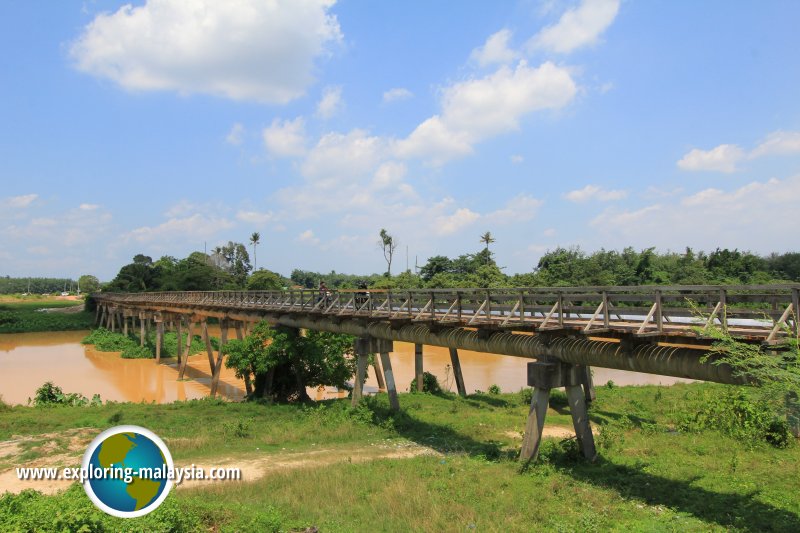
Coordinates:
column 566, row 330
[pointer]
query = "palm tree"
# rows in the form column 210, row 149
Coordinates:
column 255, row 240
column 487, row 239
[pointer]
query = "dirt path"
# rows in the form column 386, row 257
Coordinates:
column 66, row 448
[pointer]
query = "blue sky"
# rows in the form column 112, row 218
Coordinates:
column 162, row 126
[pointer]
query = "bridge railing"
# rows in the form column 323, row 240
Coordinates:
column 750, row 310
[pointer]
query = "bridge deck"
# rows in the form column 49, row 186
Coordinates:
column 763, row 313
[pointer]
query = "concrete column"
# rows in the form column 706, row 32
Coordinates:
column 418, row 370
column 179, row 343
column 141, row 329
column 588, row 384
column 379, row 375
column 534, row 425
column 456, row 364
column 209, row 348
column 185, row 361
column 223, row 339
column 391, row 387
column 124, row 325
column 362, row 358
column 159, row 339
column 580, row 420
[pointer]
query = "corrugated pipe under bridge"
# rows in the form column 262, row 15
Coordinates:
column 644, row 357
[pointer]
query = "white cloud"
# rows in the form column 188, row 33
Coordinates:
column 517, row 159
column 244, row 50
column 778, row 143
column 521, row 208
column 398, row 93
column 577, row 27
column 286, row 138
column 389, row 174
column 235, row 136
column 179, row 229
column 255, row 217
column 593, row 192
column 723, row 158
column 477, row 109
column 331, row 102
column 19, row 202
column 454, row 222
column 88, row 207
column 495, row 50
column 340, row 156
column 307, row 237
column 742, row 217
column 549, row 232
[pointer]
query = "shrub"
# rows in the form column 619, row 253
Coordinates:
column 50, row 395
column 429, row 384
column 494, row 389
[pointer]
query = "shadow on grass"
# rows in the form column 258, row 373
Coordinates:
column 604, row 417
column 441, row 438
column 729, row 510
column 494, row 401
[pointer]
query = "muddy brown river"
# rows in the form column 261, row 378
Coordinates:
column 27, row 360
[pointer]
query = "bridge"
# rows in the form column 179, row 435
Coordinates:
column 661, row 330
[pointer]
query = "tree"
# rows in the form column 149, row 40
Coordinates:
column 255, row 240
column 436, row 265
column 282, row 362
column 487, row 239
column 88, row 284
column 237, row 262
column 389, row 244
column 265, row 280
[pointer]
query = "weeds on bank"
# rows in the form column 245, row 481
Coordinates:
column 25, row 317
column 130, row 345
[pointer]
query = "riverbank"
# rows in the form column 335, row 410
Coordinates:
column 38, row 314
column 443, row 464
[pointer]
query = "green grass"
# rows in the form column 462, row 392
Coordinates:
column 650, row 475
column 24, row 316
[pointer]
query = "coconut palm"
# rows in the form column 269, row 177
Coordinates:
column 255, row 240
column 487, row 239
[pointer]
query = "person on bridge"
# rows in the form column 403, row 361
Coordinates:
column 324, row 293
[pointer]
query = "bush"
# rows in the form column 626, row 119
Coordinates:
column 494, row 389
column 429, row 384
column 50, row 395
column 736, row 414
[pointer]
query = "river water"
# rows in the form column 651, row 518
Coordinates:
column 27, row 360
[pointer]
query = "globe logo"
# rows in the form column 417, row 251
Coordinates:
column 128, row 471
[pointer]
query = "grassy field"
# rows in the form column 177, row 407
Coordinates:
column 23, row 315
column 656, row 471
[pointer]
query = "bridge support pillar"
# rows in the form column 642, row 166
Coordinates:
column 179, row 343
column 588, row 384
column 223, row 339
column 459, row 377
column 391, row 387
column 124, row 324
column 418, row 370
column 209, row 348
column 188, row 348
column 544, row 376
column 159, row 338
column 141, row 329
column 362, row 346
